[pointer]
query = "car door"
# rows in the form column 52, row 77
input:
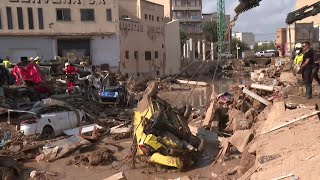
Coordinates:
column 47, row 117
column 75, row 117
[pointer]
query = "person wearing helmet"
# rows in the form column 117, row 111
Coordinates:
column 6, row 62
column 31, row 58
column 298, row 56
column 71, row 73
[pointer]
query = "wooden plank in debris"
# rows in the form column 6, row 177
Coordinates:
column 249, row 173
column 198, row 83
column 262, row 87
column 292, row 121
column 240, row 139
column 210, row 111
column 256, row 96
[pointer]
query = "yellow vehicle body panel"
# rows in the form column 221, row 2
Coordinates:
column 166, row 160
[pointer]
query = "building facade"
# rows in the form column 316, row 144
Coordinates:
column 213, row 17
column 142, row 38
column 188, row 12
column 281, row 40
column 126, row 35
column 301, row 32
column 246, row 37
column 66, row 28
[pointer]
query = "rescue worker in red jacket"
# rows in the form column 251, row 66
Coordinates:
column 71, row 73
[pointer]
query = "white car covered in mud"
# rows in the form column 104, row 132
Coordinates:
column 49, row 121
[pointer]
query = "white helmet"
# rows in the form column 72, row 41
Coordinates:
column 31, row 59
column 37, row 58
column 298, row 45
column 66, row 64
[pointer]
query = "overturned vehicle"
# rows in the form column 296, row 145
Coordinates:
column 162, row 133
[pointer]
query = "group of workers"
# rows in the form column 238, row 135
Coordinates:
column 307, row 64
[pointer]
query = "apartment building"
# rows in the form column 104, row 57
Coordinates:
column 301, row 32
column 213, row 17
column 281, row 40
column 188, row 12
column 246, row 37
column 66, row 28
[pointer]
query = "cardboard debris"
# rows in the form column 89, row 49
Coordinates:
column 241, row 138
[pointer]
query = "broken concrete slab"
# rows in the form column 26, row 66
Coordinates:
column 288, row 77
column 262, row 87
column 241, row 138
column 118, row 176
column 198, row 83
column 256, row 96
column 237, row 121
column 207, row 135
column 84, row 129
column 64, row 146
column 120, row 129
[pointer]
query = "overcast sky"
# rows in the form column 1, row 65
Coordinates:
column 262, row 20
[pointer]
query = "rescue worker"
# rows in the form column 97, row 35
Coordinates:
column 306, row 68
column 6, row 62
column 316, row 67
column 4, row 75
column 71, row 74
column 298, row 56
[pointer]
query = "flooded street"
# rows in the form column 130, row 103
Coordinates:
column 200, row 95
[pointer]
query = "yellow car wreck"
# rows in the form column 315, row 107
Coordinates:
column 162, row 132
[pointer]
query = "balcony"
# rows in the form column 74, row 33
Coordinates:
column 188, row 19
column 186, row 8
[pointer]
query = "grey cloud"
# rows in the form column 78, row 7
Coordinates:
column 264, row 19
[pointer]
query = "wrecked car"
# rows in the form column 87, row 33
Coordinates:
column 162, row 133
column 48, row 119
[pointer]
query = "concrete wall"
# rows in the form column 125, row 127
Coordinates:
column 141, row 35
column 16, row 47
column 172, row 44
column 167, row 5
column 75, row 26
column 314, row 19
column 246, row 37
column 106, row 50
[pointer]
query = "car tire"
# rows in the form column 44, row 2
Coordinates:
column 47, row 133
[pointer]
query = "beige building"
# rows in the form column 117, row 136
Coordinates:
column 126, row 35
column 301, row 32
column 281, row 40
column 188, row 12
column 146, row 50
column 52, row 28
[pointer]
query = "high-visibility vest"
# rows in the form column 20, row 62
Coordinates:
column 6, row 63
column 298, row 59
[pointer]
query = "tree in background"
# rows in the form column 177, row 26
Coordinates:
column 183, row 37
column 209, row 31
column 243, row 46
column 263, row 47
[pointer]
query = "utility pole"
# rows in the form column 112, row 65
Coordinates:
column 221, row 27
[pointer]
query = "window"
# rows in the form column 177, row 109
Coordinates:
column 178, row 2
column 63, row 14
column 156, row 55
column 20, row 18
column 149, row 17
column 40, row 18
column 109, row 15
column 127, row 55
column 9, row 18
column 30, row 18
column 148, row 55
column 152, row 17
column 146, row 16
column 0, row 21
column 158, row 18
column 136, row 55
column 87, row 14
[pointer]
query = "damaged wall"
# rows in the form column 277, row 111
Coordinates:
column 172, row 44
column 16, row 47
column 106, row 50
